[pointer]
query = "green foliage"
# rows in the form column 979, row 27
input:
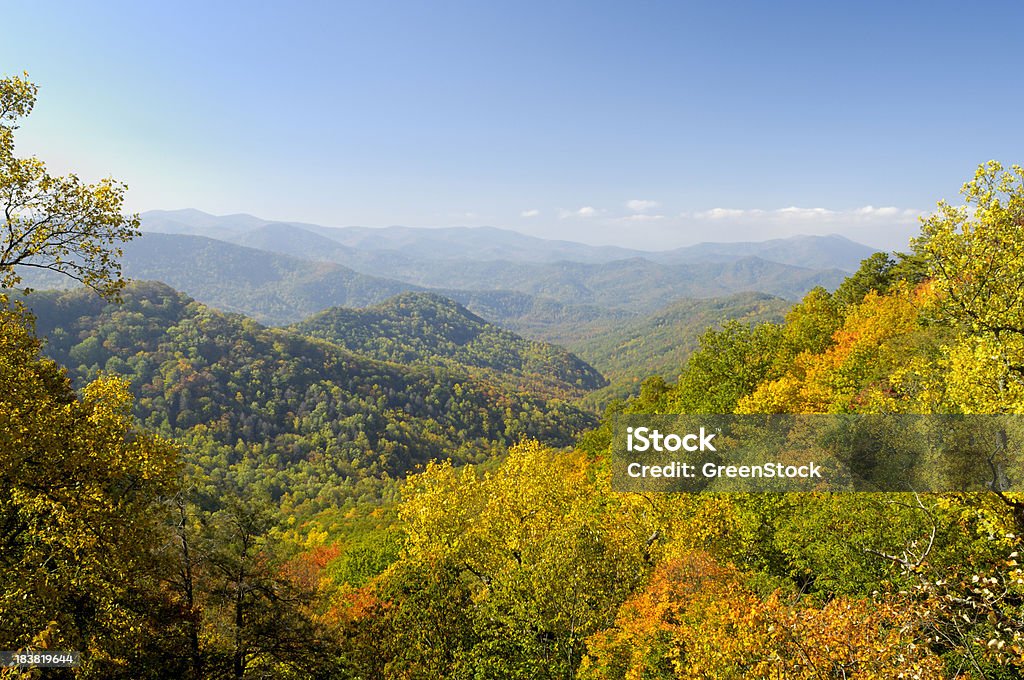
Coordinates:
column 369, row 556
column 810, row 325
column 729, row 365
column 879, row 273
column 258, row 615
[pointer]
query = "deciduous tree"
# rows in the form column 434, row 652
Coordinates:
column 56, row 223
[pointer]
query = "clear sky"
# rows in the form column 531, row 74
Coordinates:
column 650, row 124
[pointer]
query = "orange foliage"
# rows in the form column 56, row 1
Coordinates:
column 697, row 619
column 307, row 568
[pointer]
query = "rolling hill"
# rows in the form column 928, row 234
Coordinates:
column 422, row 328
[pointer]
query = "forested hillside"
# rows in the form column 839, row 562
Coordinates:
column 427, row 329
column 539, row 318
column 270, row 287
column 635, row 285
column 303, row 418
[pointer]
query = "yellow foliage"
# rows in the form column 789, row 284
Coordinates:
column 81, row 501
column 853, row 373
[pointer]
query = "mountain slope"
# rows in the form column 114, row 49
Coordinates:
column 634, row 286
column 422, row 328
column 270, row 287
column 659, row 344
column 536, row 317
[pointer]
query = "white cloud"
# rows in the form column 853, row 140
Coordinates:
column 643, row 218
column 724, row 213
column 529, row 213
column 804, row 213
column 794, row 213
column 887, row 211
column 869, row 210
column 585, row 211
column 639, row 205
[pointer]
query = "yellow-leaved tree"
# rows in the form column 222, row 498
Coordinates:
column 55, row 223
column 975, row 253
column 505, row 575
column 83, row 530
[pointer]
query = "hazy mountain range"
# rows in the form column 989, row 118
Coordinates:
column 280, row 273
column 350, row 245
column 630, row 313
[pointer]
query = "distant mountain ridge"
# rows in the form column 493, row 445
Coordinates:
column 814, row 252
column 491, row 243
column 279, row 289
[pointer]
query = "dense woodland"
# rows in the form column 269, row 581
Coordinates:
column 189, row 494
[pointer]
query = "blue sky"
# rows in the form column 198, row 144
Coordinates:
column 643, row 123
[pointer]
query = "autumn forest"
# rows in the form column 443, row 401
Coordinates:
column 411, row 480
